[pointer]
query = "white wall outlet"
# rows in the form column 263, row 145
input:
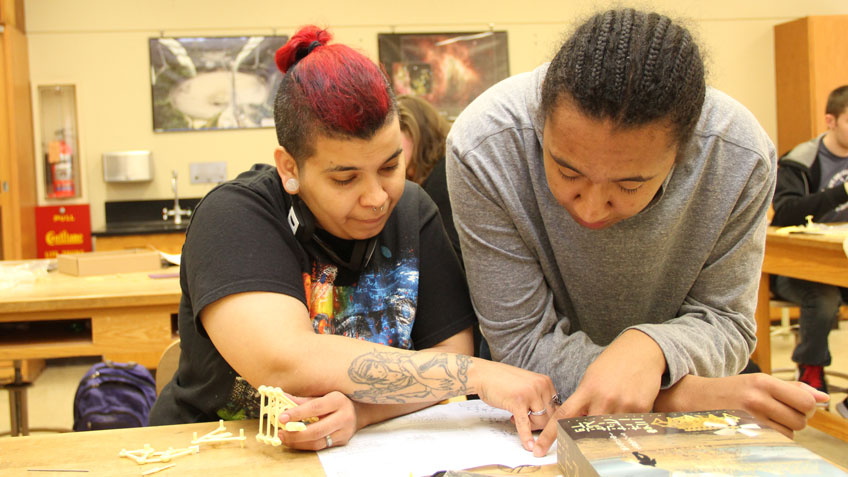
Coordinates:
column 207, row 172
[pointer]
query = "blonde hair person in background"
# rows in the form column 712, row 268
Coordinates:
column 424, row 132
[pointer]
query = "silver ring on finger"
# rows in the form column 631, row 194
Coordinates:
column 537, row 413
column 329, row 441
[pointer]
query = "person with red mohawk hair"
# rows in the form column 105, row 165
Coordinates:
column 330, row 275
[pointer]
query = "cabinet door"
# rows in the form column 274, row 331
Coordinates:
column 810, row 62
column 12, row 13
column 17, row 165
column 828, row 61
column 795, row 116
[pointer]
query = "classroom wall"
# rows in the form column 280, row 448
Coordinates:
column 101, row 47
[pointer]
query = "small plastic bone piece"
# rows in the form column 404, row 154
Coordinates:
column 157, row 469
column 147, row 455
column 219, row 434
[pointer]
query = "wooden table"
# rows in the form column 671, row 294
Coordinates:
column 97, row 452
column 123, row 317
column 818, row 258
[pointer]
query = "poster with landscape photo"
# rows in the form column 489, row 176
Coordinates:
column 213, row 82
column 447, row 69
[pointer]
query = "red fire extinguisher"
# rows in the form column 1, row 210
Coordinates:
column 61, row 162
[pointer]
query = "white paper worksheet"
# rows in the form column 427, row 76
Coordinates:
column 453, row 436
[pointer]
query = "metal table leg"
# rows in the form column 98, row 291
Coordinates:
column 18, row 412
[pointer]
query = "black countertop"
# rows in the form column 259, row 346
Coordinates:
column 143, row 217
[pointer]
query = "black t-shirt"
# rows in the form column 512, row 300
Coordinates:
column 411, row 295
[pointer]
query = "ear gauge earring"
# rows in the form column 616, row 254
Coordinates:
column 291, row 185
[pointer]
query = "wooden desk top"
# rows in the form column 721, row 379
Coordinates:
column 811, row 257
column 809, row 240
column 67, row 292
column 98, row 451
column 819, row 258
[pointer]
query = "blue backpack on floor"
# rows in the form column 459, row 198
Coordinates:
column 114, row 396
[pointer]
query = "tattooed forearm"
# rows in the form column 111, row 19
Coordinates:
column 402, row 377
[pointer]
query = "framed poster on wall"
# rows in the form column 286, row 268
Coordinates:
column 447, row 69
column 213, row 82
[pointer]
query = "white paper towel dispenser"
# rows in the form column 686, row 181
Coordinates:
column 127, row 166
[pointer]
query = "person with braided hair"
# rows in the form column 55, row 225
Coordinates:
column 612, row 213
column 330, row 275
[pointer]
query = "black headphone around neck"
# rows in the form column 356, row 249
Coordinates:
column 302, row 224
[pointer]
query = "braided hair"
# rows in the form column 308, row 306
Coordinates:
column 329, row 90
column 632, row 68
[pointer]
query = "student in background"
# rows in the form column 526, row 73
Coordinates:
column 323, row 275
column 424, row 133
column 612, row 215
column 812, row 179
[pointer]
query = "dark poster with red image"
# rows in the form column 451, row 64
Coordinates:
column 447, row 69
column 62, row 229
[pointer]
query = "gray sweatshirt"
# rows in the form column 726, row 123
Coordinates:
column 551, row 294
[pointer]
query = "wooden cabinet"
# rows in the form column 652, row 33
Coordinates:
column 810, row 60
column 12, row 13
column 17, row 164
column 167, row 242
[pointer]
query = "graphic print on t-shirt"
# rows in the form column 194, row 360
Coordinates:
column 242, row 402
column 379, row 307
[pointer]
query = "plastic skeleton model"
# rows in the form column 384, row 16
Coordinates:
column 273, row 402
column 219, row 434
column 147, row 455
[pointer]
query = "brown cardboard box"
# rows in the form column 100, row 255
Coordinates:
column 104, row 263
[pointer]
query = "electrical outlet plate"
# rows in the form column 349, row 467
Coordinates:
column 207, row 172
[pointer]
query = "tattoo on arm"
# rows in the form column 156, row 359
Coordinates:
column 393, row 377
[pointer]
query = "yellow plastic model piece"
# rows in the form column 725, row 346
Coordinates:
column 138, row 455
column 158, row 469
column 147, row 455
column 219, row 434
column 273, row 402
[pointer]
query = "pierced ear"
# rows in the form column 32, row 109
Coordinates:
column 286, row 168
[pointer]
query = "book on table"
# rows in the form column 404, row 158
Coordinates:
column 720, row 442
